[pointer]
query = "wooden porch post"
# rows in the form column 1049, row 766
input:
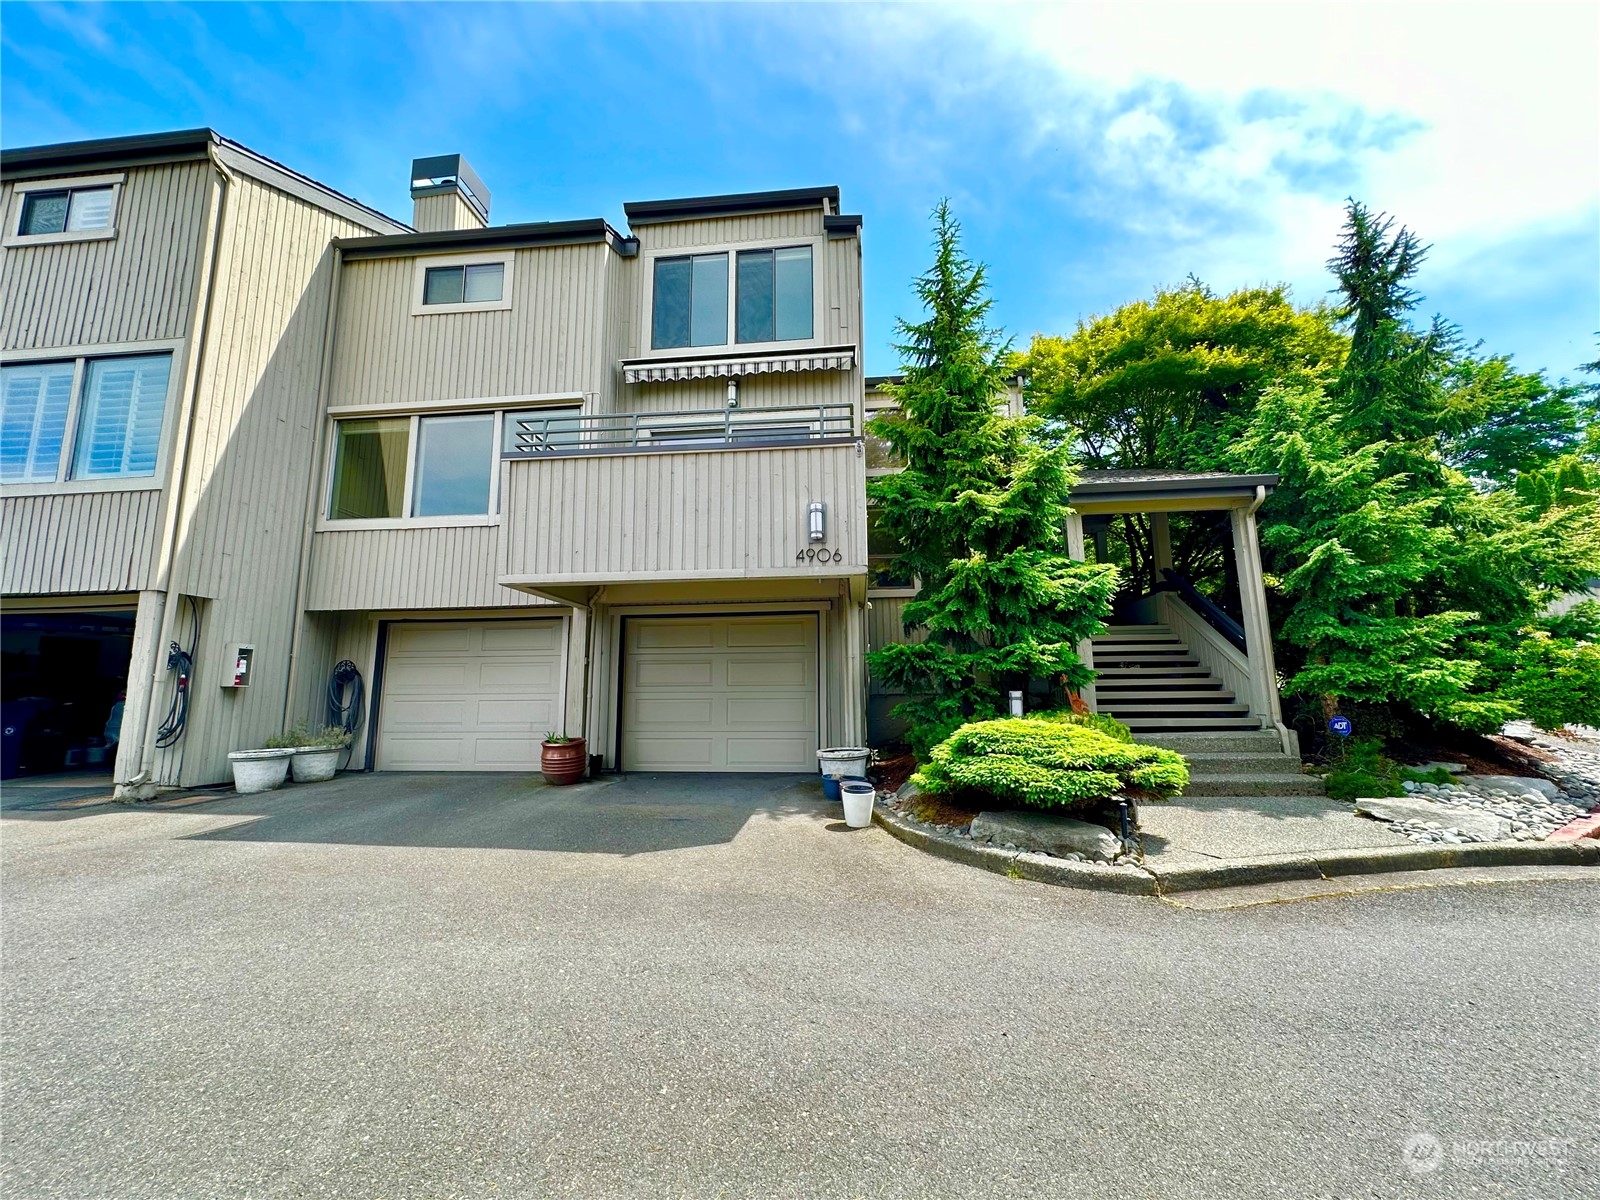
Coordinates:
column 1257, row 629
column 1075, row 551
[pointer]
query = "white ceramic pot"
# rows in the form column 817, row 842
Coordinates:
column 839, row 761
column 858, row 798
column 313, row 764
column 259, row 770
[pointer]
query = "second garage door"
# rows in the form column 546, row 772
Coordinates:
column 720, row 694
column 470, row 695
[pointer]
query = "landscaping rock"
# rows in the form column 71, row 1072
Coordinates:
column 1516, row 784
column 908, row 791
column 1452, row 767
column 1042, row 832
column 1480, row 825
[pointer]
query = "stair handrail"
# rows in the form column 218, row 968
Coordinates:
column 1203, row 608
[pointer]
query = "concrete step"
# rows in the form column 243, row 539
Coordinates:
column 1200, row 742
column 1193, row 724
column 1135, row 674
column 1156, row 708
column 1145, row 693
column 1253, row 785
column 1242, row 762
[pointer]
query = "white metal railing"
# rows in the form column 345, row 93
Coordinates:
column 568, row 433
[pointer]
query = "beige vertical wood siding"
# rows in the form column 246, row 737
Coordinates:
column 134, row 287
column 79, row 542
column 431, row 567
column 551, row 339
column 249, row 464
column 885, row 626
column 713, row 231
column 727, row 512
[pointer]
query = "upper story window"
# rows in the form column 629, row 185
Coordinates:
column 763, row 295
column 462, row 283
column 475, row 284
column 85, row 419
column 63, row 210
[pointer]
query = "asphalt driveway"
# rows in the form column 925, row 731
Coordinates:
column 686, row 986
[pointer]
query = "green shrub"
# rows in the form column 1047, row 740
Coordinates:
column 1557, row 681
column 1106, row 724
column 1363, row 770
column 1047, row 763
column 327, row 737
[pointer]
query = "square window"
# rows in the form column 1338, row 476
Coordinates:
column 119, row 423
column 485, row 282
column 44, row 212
column 369, row 468
column 445, row 285
column 89, row 209
column 455, row 456
column 34, row 400
column 690, row 302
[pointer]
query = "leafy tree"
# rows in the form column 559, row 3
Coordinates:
column 1405, row 582
column 1502, row 422
column 1168, row 383
column 980, row 510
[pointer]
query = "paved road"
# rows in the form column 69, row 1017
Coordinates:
column 433, row 987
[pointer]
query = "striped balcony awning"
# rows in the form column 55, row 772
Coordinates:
column 829, row 358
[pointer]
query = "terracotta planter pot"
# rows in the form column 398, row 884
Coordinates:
column 562, row 762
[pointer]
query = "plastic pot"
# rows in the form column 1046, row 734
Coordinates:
column 844, row 761
column 313, row 764
column 858, row 798
column 259, row 770
column 830, row 785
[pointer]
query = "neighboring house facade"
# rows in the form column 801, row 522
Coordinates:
column 528, row 478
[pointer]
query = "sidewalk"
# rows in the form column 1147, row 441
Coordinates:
column 1199, row 842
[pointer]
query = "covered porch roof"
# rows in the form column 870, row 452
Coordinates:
column 1154, row 490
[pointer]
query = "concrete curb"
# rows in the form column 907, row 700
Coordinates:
column 1160, row 881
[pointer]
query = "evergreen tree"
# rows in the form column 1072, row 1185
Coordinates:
column 980, row 510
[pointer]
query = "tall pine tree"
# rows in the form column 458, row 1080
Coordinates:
column 980, row 510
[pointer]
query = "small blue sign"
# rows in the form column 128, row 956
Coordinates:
column 1340, row 726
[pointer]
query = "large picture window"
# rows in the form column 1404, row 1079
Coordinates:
column 455, row 456
column 763, row 295
column 109, row 428
column 369, row 468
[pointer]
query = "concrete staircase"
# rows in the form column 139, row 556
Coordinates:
column 1148, row 679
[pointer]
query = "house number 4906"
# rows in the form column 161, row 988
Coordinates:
column 816, row 554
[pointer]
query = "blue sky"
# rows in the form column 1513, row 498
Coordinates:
column 1091, row 151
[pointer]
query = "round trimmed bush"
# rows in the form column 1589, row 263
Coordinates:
column 1042, row 763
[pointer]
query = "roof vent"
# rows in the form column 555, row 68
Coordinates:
column 446, row 193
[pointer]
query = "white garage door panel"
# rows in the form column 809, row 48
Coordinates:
column 470, row 696
column 720, row 694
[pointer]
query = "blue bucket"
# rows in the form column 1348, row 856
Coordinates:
column 830, row 785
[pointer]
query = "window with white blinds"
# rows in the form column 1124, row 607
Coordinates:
column 33, row 420
column 109, row 429
column 119, row 428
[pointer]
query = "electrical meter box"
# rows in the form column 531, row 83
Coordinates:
column 236, row 670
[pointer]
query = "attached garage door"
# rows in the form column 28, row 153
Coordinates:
column 720, row 694
column 469, row 696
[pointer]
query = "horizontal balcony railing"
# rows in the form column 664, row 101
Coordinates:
column 748, row 428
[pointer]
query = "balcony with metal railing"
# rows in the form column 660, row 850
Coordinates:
column 699, row 494
column 539, row 436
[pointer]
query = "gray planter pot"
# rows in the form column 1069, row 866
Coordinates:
column 313, row 764
column 259, row 770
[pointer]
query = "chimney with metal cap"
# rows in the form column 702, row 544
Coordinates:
column 446, row 193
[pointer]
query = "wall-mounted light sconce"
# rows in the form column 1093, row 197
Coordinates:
column 733, row 393
column 817, row 520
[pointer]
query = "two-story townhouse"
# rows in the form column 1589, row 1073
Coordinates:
column 595, row 483
column 260, row 439
column 164, row 316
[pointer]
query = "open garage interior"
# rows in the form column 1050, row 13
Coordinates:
column 470, row 695
column 728, row 693
column 63, row 679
